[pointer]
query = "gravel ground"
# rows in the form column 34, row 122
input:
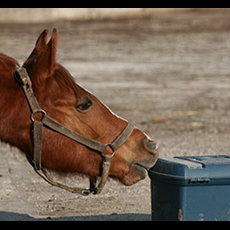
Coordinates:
column 168, row 74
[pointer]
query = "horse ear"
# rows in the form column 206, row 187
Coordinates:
column 40, row 44
column 42, row 60
column 41, row 41
column 46, row 60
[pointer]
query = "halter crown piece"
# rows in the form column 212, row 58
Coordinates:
column 22, row 77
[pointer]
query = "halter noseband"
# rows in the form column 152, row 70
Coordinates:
column 22, row 77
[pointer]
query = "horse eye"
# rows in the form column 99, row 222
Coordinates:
column 84, row 106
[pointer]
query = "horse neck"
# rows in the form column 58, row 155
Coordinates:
column 14, row 116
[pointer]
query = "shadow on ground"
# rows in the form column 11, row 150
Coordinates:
column 11, row 216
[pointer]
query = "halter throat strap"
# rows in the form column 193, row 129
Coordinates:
column 22, row 77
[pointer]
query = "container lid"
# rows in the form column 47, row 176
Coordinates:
column 192, row 170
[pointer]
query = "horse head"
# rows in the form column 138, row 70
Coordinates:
column 75, row 108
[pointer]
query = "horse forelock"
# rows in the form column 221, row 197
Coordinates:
column 65, row 80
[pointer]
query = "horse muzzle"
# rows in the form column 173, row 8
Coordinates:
column 140, row 166
column 151, row 146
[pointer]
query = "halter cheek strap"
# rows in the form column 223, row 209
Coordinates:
column 22, row 77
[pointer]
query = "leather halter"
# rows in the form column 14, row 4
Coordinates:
column 22, row 77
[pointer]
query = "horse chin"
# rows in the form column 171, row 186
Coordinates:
column 137, row 172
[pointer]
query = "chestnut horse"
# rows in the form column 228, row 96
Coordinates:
column 72, row 108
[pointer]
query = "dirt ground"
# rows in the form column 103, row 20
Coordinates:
column 168, row 74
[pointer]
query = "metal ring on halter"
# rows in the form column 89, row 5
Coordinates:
column 107, row 155
column 38, row 111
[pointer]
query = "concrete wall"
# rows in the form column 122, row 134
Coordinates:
column 34, row 15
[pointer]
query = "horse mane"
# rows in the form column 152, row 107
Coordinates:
column 7, row 68
column 7, row 64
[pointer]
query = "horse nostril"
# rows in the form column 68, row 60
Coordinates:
column 151, row 145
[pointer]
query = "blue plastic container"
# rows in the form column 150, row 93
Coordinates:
column 191, row 188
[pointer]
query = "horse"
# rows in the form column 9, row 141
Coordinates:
column 62, row 127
